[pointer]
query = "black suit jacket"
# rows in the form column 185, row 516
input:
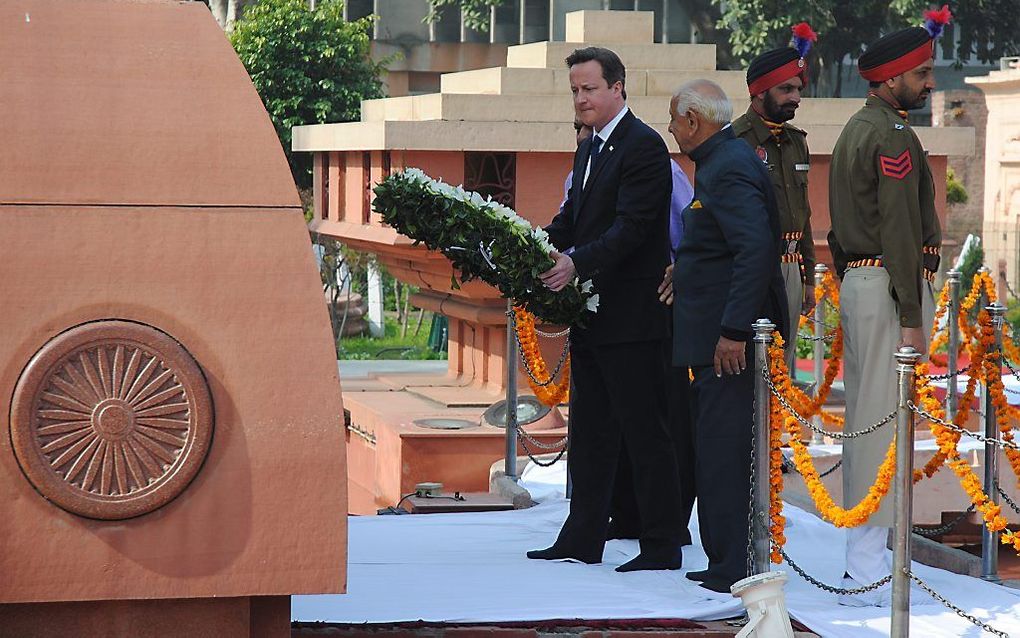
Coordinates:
column 726, row 274
column 618, row 224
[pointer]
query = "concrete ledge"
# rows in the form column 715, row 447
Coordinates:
column 556, row 137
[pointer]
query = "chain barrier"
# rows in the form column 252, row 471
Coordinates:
column 959, row 612
column 808, row 337
column 942, row 529
column 790, row 466
column 946, row 377
column 856, row 591
column 527, row 364
column 1009, row 501
column 955, row 428
column 836, row 435
column 531, row 454
column 526, row 439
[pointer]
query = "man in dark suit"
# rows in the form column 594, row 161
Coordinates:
column 616, row 219
column 725, row 277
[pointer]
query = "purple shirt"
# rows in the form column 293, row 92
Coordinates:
column 682, row 195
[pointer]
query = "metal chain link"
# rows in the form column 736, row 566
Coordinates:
column 955, row 428
column 836, row 435
column 945, row 377
column 792, row 467
column 553, row 335
column 750, row 493
column 959, row 612
column 813, row 320
column 543, row 446
column 534, row 459
column 819, row 584
column 880, row 583
column 1009, row 501
column 527, row 366
column 942, row 529
column 809, row 337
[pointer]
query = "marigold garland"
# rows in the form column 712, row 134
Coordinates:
column 979, row 342
column 827, row 508
column 550, row 393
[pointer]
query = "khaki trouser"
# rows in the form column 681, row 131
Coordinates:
column 871, row 335
column 794, row 300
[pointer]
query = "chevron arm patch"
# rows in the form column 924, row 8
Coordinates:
column 896, row 167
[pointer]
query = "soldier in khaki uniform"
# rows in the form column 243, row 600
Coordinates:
column 775, row 80
column 885, row 241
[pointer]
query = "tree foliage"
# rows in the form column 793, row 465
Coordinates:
column 989, row 29
column 843, row 29
column 475, row 12
column 310, row 66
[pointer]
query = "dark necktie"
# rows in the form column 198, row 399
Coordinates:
column 596, row 144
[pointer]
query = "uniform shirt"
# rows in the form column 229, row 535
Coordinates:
column 682, row 195
column 787, row 161
column 882, row 202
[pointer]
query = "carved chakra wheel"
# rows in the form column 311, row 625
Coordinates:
column 111, row 419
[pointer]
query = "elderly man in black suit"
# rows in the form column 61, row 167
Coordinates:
column 616, row 220
column 725, row 277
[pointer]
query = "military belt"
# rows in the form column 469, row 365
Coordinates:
column 877, row 262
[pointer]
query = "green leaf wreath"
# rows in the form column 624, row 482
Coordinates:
column 482, row 239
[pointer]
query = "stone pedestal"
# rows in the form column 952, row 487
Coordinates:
column 174, row 461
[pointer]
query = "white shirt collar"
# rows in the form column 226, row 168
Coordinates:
column 609, row 128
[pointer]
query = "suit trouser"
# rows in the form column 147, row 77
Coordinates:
column 620, row 400
column 794, row 301
column 871, row 334
column 624, row 511
column 723, row 410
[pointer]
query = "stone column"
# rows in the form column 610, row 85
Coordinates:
column 376, row 325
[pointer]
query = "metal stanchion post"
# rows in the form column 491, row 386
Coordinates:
column 763, row 329
column 990, row 540
column 953, row 326
column 510, row 465
column 906, row 359
column 819, row 354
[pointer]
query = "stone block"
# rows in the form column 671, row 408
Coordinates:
column 551, row 55
column 611, row 26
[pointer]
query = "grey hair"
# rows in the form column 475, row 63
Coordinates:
column 705, row 98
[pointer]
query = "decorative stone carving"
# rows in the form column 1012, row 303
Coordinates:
column 111, row 419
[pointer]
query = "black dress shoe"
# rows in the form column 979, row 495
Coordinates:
column 718, row 585
column 555, row 553
column 685, row 540
column 701, row 575
column 647, row 563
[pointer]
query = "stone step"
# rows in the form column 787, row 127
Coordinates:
column 559, row 108
column 550, row 55
column 610, row 26
column 532, row 81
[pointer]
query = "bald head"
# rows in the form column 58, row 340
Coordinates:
column 698, row 110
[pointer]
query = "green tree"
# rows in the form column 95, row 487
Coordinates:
column 475, row 12
column 956, row 193
column 990, row 29
column 310, row 66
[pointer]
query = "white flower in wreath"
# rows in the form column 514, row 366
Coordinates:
column 592, row 305
column 477, row 199
column 416, row 175
column 542, row 238
column 587, row 286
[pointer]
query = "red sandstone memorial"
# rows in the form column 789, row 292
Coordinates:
column 174, row 462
